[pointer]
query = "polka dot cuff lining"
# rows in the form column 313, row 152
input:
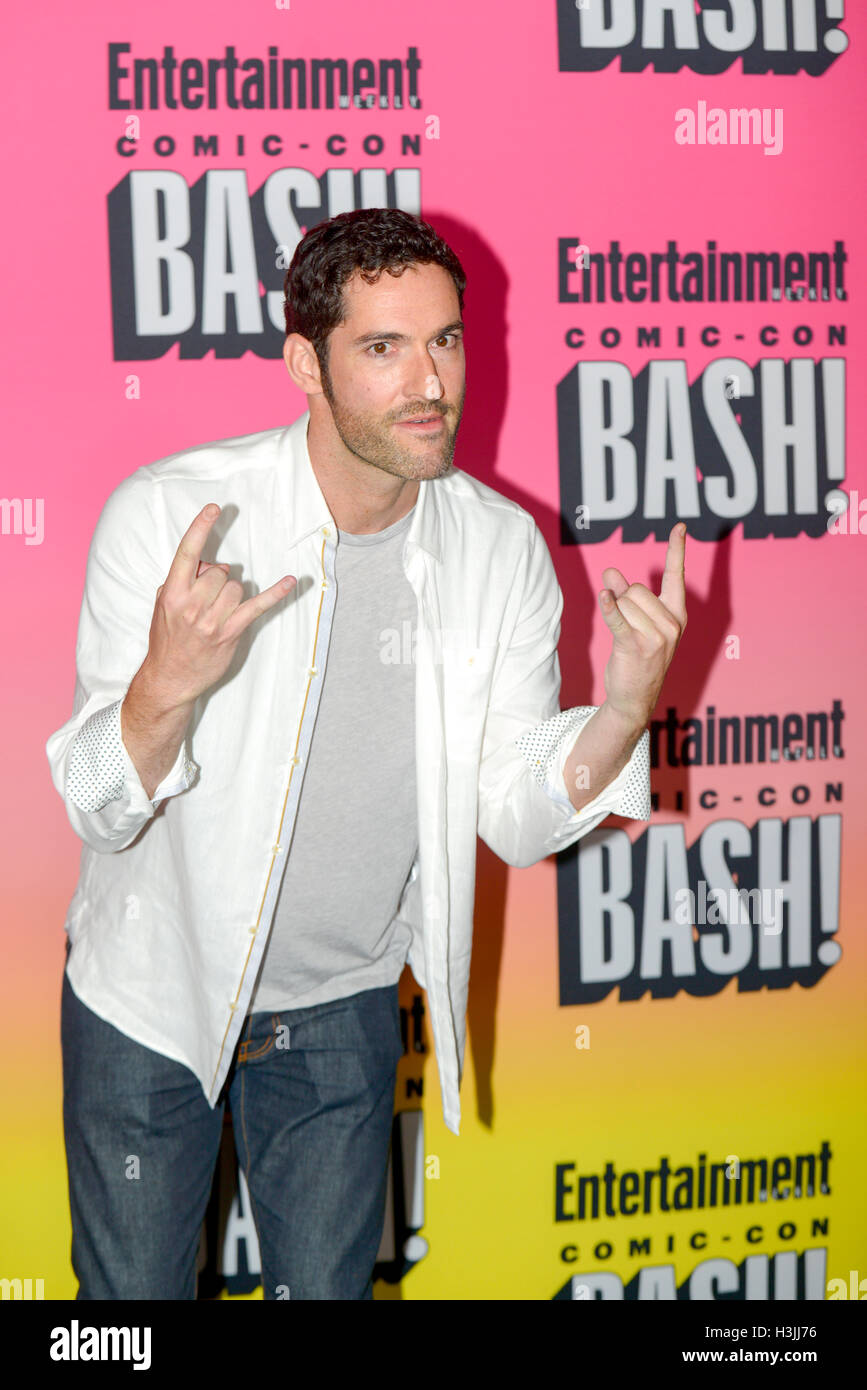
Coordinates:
column 546, row 749
column 98, row 764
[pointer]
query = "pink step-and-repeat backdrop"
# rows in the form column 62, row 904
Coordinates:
column 661, row 212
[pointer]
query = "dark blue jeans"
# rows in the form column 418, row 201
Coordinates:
column 312, row 1124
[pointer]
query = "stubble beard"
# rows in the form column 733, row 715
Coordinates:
column 375, row 442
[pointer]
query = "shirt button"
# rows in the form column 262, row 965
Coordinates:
column 313, row 671
column 276, row 849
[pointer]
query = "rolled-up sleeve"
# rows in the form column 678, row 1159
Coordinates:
column 547, row 748
column 524, row 810
column 100, row 767
column 128, row 559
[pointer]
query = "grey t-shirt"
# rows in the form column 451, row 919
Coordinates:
column 356, row 832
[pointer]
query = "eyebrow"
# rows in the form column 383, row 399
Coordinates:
column 388, row 337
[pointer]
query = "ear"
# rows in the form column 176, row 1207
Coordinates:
column 302, row 364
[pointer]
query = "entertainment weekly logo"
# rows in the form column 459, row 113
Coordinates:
column 668, row 1208
column 667, row 35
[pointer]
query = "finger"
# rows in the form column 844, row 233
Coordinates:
column 631, row 618
column 654, row 608
column 252, row 608
column 225, row 601
column 673, row 589
column 612, row 614
column 614, row 580
column 210, row 565
column 210, row 586
column 189, row 551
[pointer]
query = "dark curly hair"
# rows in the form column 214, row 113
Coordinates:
column 369, row 241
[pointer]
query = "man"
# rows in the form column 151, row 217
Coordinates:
column 241, row 920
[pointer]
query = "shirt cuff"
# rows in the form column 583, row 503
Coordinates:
column 101, row 770
column 547, row 747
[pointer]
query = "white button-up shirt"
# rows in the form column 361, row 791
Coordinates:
column 171, row 914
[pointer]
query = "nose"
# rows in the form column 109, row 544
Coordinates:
column 422, row 379
column 433, row 387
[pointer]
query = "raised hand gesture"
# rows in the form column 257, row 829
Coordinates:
column 646, row 630
column 199, row 616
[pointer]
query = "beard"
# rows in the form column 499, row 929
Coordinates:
column 374, row 439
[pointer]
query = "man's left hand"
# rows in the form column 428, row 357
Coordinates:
column 646, row 630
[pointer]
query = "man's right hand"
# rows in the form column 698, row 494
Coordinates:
column 199, row 616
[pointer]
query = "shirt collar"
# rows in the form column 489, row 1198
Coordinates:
column 308, row 510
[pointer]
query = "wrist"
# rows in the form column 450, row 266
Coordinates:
column 149, row 692
column 629, row 720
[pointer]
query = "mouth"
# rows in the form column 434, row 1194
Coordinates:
column 423, row 424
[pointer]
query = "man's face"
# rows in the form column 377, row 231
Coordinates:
column 398, row 357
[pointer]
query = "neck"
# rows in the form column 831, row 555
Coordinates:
column 361, row 498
